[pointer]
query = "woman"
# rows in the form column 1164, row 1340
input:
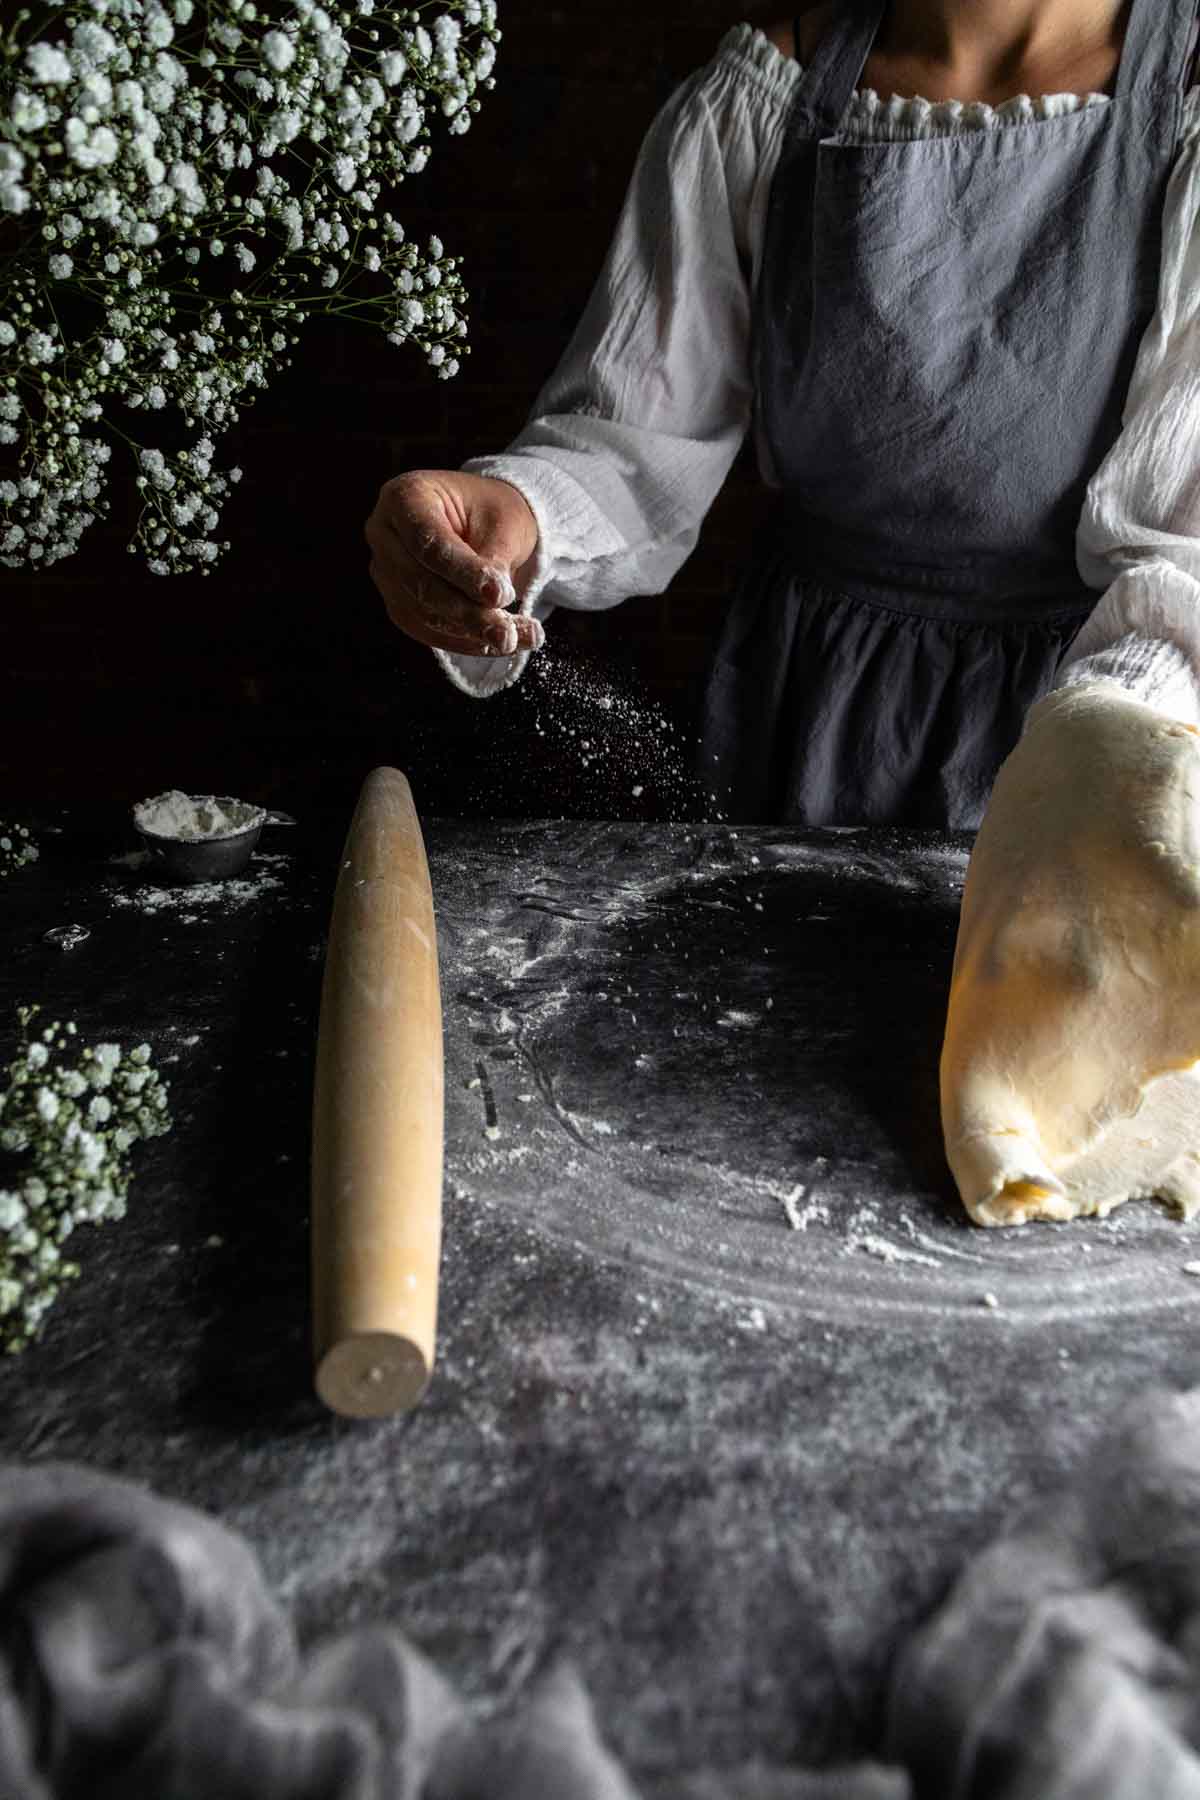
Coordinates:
column 959, row 308
column 930, row 313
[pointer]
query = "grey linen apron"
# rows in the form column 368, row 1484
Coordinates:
column 944, row 333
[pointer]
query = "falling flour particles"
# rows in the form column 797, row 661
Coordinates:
column 631, row 756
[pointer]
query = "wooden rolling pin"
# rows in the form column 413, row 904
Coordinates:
column 378, row 1117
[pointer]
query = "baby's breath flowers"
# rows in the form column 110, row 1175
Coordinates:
column 73, row 1123
column 16, row 847
column 181, row 186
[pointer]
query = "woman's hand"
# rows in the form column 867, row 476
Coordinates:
column 448, row 549
column 1075, row 996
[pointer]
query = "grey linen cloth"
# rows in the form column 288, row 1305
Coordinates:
column 141, row 1655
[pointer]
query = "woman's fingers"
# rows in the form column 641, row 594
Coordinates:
column 438, row 616
column 434, row 546
column 427, row 606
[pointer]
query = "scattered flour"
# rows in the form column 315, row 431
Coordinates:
column 886, row 1251
column 801, row 1217
column 858, row 1233
column 486, row 1162
column 182, row 899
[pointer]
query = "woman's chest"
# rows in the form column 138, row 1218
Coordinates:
column 891, row 70
column 909, row 76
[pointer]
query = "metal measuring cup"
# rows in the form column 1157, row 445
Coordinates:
column 211, row 858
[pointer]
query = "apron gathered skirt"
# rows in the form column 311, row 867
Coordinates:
column 944, row 331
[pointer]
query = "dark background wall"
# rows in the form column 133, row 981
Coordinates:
column 279, row 677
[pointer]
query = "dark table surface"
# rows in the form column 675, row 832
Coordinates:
column 720, row 1406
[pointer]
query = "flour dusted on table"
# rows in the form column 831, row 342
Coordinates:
column 186, row 901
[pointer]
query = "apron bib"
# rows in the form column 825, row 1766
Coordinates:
column 944, row 332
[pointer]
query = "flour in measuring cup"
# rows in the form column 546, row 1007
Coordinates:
column 192, row 817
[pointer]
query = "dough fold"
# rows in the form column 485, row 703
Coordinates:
column 1070, row 1069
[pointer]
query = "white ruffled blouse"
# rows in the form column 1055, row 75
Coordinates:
column 631, row 438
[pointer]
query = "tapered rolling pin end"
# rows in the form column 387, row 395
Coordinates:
column 371, row 1374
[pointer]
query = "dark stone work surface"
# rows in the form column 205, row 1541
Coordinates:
column 720, row 1407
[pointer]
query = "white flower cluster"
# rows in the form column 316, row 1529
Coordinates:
column 180, row 491
column 76, row 1124
column 161, row 145
column 16, row 847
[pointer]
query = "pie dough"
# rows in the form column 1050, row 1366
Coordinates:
column 1070, row 1070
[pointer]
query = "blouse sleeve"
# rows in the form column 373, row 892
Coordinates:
column 1139, row 534
column 631, row 438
